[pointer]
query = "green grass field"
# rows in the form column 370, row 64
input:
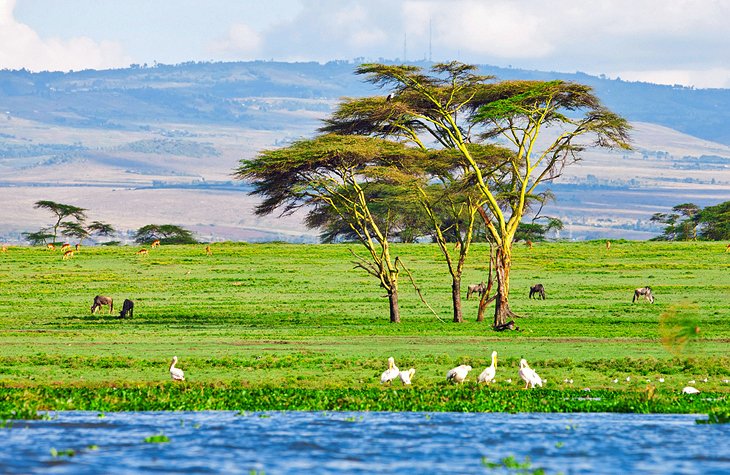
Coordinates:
column 280, row 317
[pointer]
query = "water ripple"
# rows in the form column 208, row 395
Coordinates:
column 359, row 443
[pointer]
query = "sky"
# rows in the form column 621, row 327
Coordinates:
column 662, row 41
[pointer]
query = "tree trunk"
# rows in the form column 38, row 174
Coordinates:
column 456, row 299
column 502, row 265
column 394, row 310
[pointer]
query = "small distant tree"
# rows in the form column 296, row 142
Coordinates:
column 99, row 228
column 75, row 230
column 681, row 224
column 166, row 233
column 61, row 211
column 39, row 237
column 714, row 222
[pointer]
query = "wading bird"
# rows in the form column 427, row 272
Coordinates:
column 406, row 376
column 176, row 373
column 391, row 373
column 458, row 374
column 487, row 376
column 690, row 390
column 528, row 375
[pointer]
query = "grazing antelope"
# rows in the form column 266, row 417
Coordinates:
column 143, row 252
column 479, row 288
column 643, row 292
column 127, row 309
column 68, row 254
column 727, row 249
column 50, row 247
column 4, row 248
column 66, row 246
column 608, row 245
column 208, row 252
column 78, row 246
column 537, row 291
column 528, row 243
column 155, row 243
column 100, row 300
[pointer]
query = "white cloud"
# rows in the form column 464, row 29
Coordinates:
column 22, row 47
column 708, row 78
column 242, row 42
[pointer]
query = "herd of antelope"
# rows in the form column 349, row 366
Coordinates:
column 69, row 253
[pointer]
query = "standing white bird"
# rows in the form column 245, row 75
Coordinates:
column 406, row 376
column 391, row 373
column 487, row 376
column 459, row 373
column 176, row 373
column 690, row 390
column 528, row 375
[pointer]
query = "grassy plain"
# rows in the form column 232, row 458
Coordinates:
column 273, row 326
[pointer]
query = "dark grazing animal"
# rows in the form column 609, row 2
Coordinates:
column 643, row 292
column 479, row 288
column 537, row 291
column 100, row 300
column 127, row 308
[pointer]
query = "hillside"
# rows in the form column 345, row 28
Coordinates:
column 158, row 144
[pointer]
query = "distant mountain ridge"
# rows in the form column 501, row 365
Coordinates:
column 214, row 93
column 159, row 144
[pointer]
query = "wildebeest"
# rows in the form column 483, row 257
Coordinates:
column 479, row 288
column 643, row 292
column 100, row 300
column 537, row 290
column 127, row 308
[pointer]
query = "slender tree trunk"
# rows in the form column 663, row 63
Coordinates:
column 394, row 310
column 502, row 265
column 456, row 299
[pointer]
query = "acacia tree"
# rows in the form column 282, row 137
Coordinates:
column 61, row 211
column 442, row 186
column 166, row 233
column 333, row 173
column 100, row 228
column 74, row 229
column 681, row 224
column 455, row 107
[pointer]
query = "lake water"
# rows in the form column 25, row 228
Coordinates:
column 362, row 442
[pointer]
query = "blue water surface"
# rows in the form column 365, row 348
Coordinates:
column 362, row 442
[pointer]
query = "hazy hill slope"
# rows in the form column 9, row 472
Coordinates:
column 156, row 145
column 217, row 92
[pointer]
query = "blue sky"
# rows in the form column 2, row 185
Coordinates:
column 664, row 41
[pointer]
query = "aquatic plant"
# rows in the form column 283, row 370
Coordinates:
column 716, row 417
column 512, row 465
column 157, row 439
column 62, row 453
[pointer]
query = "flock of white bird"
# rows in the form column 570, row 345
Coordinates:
column 458, row 374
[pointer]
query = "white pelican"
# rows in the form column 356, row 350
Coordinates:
column 690, row 390
column 528, row 375
column 391, row 373
column 615, row 381
column 661, row 380
column 487, row 376
column 458, row 374
column 176, row 373
column 406, row 376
